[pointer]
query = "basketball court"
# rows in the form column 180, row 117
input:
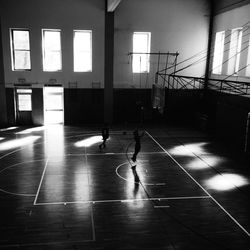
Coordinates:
column 59, row 190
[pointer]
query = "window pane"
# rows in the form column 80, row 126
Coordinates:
column 24, row 102
column 24, row 91
column 52, row 61
column 52, row 40
column 237, row 63
column 248, row 61
column 21, row 40
column 22, row 60
column 20, row 56
column 141, row 44
column 82, row 51
column 82, row 62
column 52, row 50
column 218, row 52
column 82, row 41
column 234, row 52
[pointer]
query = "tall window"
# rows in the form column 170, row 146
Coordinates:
column 52, row 54
column 248, row 61
column 218, row 52
column 141, row 48
column 82, row 50
column 20, row 46
column 234, row 52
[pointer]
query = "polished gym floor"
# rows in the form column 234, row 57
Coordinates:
column 58, row 190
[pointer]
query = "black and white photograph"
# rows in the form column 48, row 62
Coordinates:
column 125, row 124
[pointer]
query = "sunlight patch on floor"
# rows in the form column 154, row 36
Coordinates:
column 224, row 182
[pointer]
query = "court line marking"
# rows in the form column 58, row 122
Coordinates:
column 11, row 166
column 12, row 152
column 230, row 216
column 16, row 194
column 124, row 200
column 39, row 187
column 91, row 208
column 45, row 243
column 112, row 153
column 161, row 206
column 131, row 181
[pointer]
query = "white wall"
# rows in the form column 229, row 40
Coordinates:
column 66, row 15
column 175, row 25
column 226, row 22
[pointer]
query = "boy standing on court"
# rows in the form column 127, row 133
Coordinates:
column 137, row 138
column 105, row 136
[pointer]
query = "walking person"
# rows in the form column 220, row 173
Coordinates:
column 105, row 136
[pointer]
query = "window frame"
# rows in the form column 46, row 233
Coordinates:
column 23, row 91
column 12, row 46
column 217, row 69
column 147, row 53
column 91, row 50
column 247, row 73
column 234, row 59
column 43, row 49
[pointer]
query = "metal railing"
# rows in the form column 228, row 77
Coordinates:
column 171, row 81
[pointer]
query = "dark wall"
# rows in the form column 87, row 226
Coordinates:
column 128, row 104
column 83, row 106
column 231, row 120
column 182, row 106
column 226, row 5
column 10, row 102
column 37, row 106
column 3, row 111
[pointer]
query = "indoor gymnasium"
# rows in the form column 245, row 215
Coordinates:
column 125, row 124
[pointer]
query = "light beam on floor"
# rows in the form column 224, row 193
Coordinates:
column 189, row 149
column 224, row 182
column 18, row 142
column 200, row 164
column 31, row 130
column 89, row 141
column 6, row 129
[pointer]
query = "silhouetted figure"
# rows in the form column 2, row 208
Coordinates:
column 136, row 177
column 136, row 183
column 105, row 136
column 137, row 138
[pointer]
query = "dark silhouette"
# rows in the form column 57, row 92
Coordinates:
column 137, row 138
column 136, row 177
column 136, row 183
column 105, row 136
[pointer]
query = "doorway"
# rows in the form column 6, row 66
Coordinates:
column 53, row 105
column 23, row 97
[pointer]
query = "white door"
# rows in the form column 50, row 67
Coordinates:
column 53, row 105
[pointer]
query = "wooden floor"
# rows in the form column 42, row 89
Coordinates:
column 59, row 191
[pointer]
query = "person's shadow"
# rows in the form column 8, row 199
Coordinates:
column 136, row 182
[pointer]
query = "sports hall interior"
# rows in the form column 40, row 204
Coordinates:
column 178, row 71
